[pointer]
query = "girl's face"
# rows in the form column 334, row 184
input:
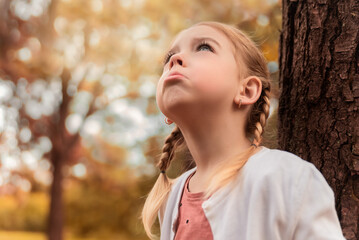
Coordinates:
column 199, row 72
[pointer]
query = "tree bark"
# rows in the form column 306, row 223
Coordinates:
column 319, row 101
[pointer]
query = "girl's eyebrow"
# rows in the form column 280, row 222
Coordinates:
column 202, row 39
column 194, row 41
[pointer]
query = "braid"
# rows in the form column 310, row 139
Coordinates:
column 162, row 187
column 171, row 143
column 263, row 115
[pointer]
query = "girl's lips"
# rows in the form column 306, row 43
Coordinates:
column 174, row 76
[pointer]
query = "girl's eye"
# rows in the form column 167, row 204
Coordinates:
column 168, row 57
column 204, row 46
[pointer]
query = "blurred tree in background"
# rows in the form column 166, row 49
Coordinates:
column 79, row 125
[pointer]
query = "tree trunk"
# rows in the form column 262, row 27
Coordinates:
column 318, row 106
column 56, row 214
column 60, row 156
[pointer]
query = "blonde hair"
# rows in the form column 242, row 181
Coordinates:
column 246, row 54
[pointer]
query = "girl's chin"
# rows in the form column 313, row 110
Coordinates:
column 172, row 101
column 173, row 108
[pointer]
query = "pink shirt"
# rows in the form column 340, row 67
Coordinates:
column 192, row 222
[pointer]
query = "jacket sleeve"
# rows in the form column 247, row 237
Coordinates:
column 161, row 211
column 315, row 216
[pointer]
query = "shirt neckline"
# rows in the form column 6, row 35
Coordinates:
column 190, row 195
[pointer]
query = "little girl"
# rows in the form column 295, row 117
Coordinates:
column 215, row 87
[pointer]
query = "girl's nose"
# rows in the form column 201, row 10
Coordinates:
column 176, row 59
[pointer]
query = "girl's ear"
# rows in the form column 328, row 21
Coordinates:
column 249, row 90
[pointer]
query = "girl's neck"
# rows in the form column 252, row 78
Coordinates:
column 212, row 141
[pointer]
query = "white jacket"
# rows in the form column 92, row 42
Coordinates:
column 277, row 196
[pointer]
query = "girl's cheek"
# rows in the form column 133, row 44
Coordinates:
column 205, row 87
column 209, row 84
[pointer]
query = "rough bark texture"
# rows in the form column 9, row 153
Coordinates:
column 318, row 106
